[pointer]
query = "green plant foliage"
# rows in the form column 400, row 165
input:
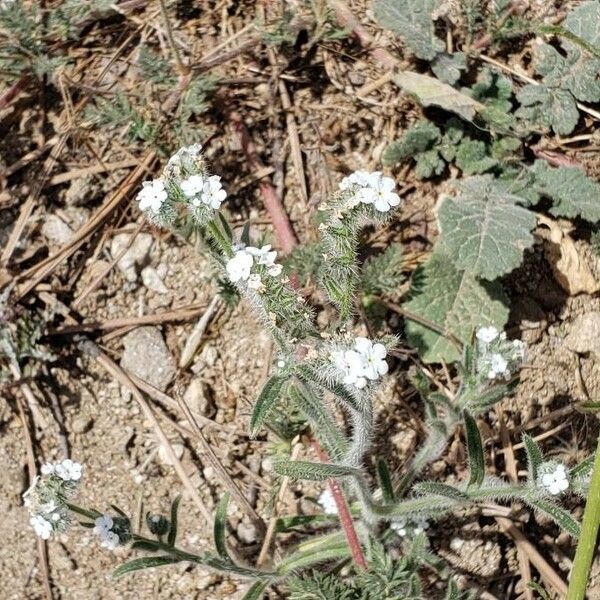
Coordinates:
column 454, row 301
column 411, row 19
column 572, row 192
column 565, row 78
column 482, row 230
column 382, row 274
column 494, row 91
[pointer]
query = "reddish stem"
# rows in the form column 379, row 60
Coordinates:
column 12, row 92
column 286, row 238
column 343, row 513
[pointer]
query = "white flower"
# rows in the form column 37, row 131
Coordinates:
column 557, row 481
column 373, row 355
column 238, row 268
column 152, row 196
column 403, row 527
column 327, row 502
column 103, row 525
column 487, row 334
column 360, row 178
column 42, row 527
column 68, row 470
column 266, row 257
column 192, row 185
column 498, row 366
column 213, row 193
column 352, row 365
column 47, row 469
column 255, row 282
column 110, row 541
column 380, row 192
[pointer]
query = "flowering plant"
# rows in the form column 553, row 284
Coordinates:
column 318, row 374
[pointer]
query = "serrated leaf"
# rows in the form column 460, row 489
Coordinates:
column 429, row 91
column 419, row 137
column 482, row 230
column 448, row 67
column 472, row 157
column 534, row 457
column 455, row 302
column 429, row 164
column 475, row 451
column 573, row 193
column 411, row 19
column 550, row 107
column 300, row 469
column 220, row 527
column 266, row 401
column 146, row 562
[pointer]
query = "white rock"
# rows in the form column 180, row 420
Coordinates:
column 246, row 532
column 152, row 280
column 56, row 231
column 146, row 355
column 135, row 256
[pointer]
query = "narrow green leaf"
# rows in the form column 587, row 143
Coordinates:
column 534, row 457
column 245, row 237
column 584, row 467
column 256, row 591
column 385, row 481
column 292, row 521
column 302, row 560
column 475, row 450
column 173, row 528
column 145, row 562
column 225, row 227
column 560, row 516
column 300, row 469
column 220, row 527
column 440, row 489
column 266, row 402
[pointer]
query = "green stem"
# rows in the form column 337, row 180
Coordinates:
column 589, row 534
column 90, row 514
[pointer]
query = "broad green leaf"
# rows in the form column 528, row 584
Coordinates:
column 455, row 302
column 550, row 107
column 145, row 562
column 573, row 193
column 472, row 157
column 267, row 400
column 475, row 450
column 411, row 19
column 534, row 457
column 428, row 164
column 429, row 91
column 482, row 230
column 300, row 469
column 560, row 516
column 220, row 527
column 448, row 67
column 172, row 536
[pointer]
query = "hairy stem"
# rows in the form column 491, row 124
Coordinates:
column 344, row 514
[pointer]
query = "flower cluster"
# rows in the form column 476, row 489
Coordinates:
column 240, row 266
column 47, row 497
column 370, row 188
column 553, row 478
column 410, row 527
column 361, row 364
column 497, row 356
column 184, row 180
